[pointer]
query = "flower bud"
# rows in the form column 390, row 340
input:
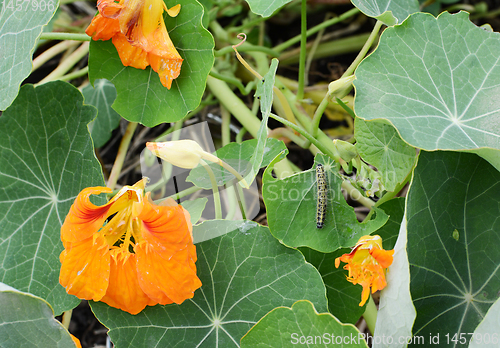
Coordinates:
column 181, row 153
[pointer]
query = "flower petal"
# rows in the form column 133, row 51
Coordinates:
column 85, row 268
column 102, row 28
column 124, row 291
column 167, row 278
column 130, row 55
column 84, row 218
column 76, row 341
column 166, row 255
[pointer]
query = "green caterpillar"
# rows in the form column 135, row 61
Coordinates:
column 322, row 196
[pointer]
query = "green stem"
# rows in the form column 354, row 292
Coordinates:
column 246, row 47
column 357, row 195
column 52, row 52
column 234, row 105
column 303, row 51
column 66, row 318
column 349, row 44
column 284, row 132
column 183, row 193
column 370, row 315
column 318, row 114
column 67, row 64
column 230, row 80
column 215, row 189
column 75, row 75
column 361, row 55
column 65, row 36
column 120, row 157
column 283, row 46
column 240, row 135
column 225, row 131
column 306, row 135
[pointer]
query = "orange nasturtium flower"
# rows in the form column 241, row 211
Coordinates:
column 366, row 264
column 138, row 31
column 129, row 252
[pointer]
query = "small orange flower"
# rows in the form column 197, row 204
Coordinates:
column 138, row 32
column 130, row 252
column 366, row 263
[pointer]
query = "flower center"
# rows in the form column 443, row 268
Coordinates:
column 122, row 229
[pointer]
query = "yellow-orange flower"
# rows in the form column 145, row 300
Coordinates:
column 366, row 264
column 129, row 252
column 138, row 31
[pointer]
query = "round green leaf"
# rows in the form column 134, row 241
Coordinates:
column 21, row 24
column 388, row 11
column 380, row 145
column 47, row 158
column 140, row 95
column 436, row 81
column 291, row 211
column 102, row 95
column 265, row 8
column 453, row 282
column 301, row 325
column 245, row 274
column 28, row 321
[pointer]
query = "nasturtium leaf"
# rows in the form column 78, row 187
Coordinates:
column 238, row 156
column 396, row 298
column 291, row 211
column 381, row 146
column 102, row 95
column 47, row 159
column 389, row 12
column 301, row 325
column 453, row 282
column 245, row 274
column 436, row 81
column 265, row 8
column 389, row 232
column 343, row 296
column 21, row 24
column 140, row 95
column 28, row 321
column 487, row 334
column 195, row 208
column 265, row 93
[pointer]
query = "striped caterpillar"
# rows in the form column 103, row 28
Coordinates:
column 322, row 196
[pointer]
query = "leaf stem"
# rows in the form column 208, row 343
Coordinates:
column 303, row 43
column 230, row 80
column 52, row 52
column 234, row 105
column 370, row 315
column 361, row 55
column 215, row 189
column 67, row 64
column 247, row 47
column 66, row 318
column 283, row 46
column 120, row 157
column 309, row 137
column 65, row 36
column 75, row 74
